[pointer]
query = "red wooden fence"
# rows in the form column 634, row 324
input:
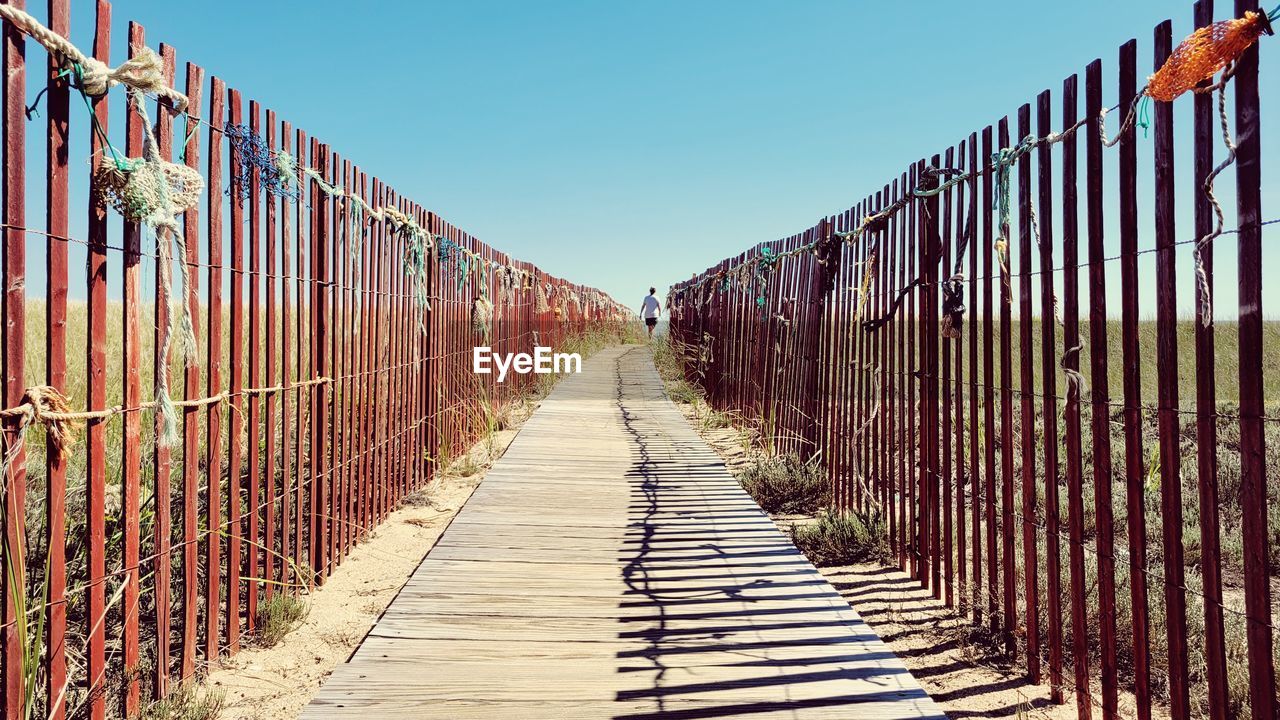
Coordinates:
column 320, row 398
column 983, row 463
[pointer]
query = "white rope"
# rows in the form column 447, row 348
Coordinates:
column 143, row 72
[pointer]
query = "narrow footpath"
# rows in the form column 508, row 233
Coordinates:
column 610, row 567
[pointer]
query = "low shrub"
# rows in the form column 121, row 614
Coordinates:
column 277, row 617
column 185, row 703
column 787, row 485
column 842, row 538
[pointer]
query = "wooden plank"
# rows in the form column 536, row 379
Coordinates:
column 191, row 390
column 131, row 455
column 1026, row 397
column 1253, row 475
column 1215, row 654
column 1071, row 415
column 549, row 598
column 289, row 487
column 57, row 221
column 988, row 389
column 1100, row 397
column 1009, row 613
column 95, row 430
column 1135, row 456
column 271, row 495
column 213, row 378
column 14, row 333
column 1049, row 401
column 161, row 462
column 236, row 423
column 253, row 506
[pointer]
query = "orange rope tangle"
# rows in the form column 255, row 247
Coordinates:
column 1204, row 53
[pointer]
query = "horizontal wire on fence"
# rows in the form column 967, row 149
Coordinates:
column 1062, row 399
column 144, row 78
column 1084, row 545
column 225, row 267
column 750, row 372
column 1001, row 163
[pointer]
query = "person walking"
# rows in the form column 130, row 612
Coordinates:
column 650, row 311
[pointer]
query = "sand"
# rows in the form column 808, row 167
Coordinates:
column 278, row 682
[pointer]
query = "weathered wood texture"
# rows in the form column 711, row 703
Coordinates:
column 609, row 566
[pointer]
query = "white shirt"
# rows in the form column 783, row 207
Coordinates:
column 650, row 307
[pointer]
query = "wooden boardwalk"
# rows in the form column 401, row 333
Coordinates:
column 610, row 567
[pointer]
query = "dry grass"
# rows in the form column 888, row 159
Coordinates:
column 277, row 616
column 842, row 538
column 785, row 485
column 185, row 703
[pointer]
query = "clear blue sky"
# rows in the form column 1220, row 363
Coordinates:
column 631, row 144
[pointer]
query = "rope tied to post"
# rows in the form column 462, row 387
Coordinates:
column 143, row 72
column 43, row 404
column 154, row 191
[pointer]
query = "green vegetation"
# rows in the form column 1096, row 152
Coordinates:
column 842, row 538
column 185, row 703
column 787, row 486
column 277, row 617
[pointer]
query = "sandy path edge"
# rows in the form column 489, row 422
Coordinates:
column 279, row 681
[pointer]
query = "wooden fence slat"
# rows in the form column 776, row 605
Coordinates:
column 131, row 455
column 988, row 385
column 253, row 502
column 963, row 479
column 213, row 379
column 57, row 221
column 1026, row 396
column 162, row 549
column 1135, row 460
column 322, row 393
column 930, row 242
column 15, row 278
column 943, row 385
column 1215, row 654
column 1253, row 476
column 289, row 487
column 235, row 379
column 975, row 476
column 1049, row 402
column 1009, row 613
column 95, row 430
column 914, row 329
column 1099, row 408
column 271, row 344
column 302, row 471
column 1071, row 415
column 191, row 391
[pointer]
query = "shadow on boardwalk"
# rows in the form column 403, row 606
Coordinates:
column 609, row 566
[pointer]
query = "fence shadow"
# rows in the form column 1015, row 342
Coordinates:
column 951, row 658
column 739, row 624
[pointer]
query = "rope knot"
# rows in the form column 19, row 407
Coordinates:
column 47, row 406
column 143, row 72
